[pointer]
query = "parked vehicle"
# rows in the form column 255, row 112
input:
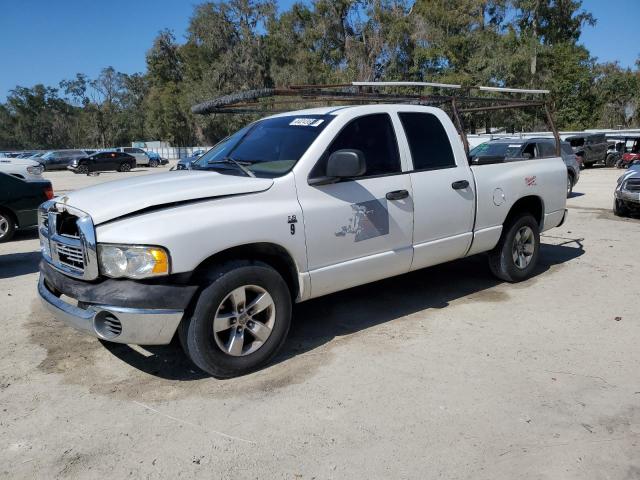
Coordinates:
column 592, row 147
column 621, row 145
column 291, row 207
column 103, row 162
column 514, row 149
column 155, row 160
column 21, row 168
column 186, row 162
column 19, row 201
column 26, row 154
column 142, row 159
column 627, row 193
column 59, row 159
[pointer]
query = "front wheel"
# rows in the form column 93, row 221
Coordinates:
column 569, row 185
column 620, row 209
column 153, row 163
column 515, row 257
column 125, row 167
column 82, row 169
column 240, row 320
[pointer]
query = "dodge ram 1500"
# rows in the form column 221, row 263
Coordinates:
column 289, row 208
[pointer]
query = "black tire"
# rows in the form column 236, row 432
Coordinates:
column 620, row 209
column 124, row 167
column 501, row 261
column 196, row 330
column 7, row 226
column 569, row 184
column 83, row 169
column 610, row 161
column 153, row 163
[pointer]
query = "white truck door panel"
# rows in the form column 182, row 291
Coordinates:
column 443, row 190
column 355, row 232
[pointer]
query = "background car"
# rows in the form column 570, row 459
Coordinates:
column 592, row 147
column 102, row 162
column 530, row 148
column 627, row 193
column 140, row 155
column 19, row 201
column 185, row 163
column 59, row 159
column 155, row 160
column 22, row 168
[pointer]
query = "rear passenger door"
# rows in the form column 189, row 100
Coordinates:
column 443, row 190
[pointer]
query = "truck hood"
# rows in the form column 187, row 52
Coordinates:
column 111, row 200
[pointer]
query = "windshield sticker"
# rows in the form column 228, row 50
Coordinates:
column 306, row 122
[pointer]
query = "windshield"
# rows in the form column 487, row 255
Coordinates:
column 489, row 149
column 267, row 148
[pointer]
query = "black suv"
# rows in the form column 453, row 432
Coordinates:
column 102, row 162
column 591, row 147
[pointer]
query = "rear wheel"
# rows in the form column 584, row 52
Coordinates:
column 610, row 161
column 240, row 320
column 124, row 167
column 569, row 184
column 83, row 169
column 7, row 227
column 516, row 255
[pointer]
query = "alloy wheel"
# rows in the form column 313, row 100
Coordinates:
column 523, row 247
column 244, row 320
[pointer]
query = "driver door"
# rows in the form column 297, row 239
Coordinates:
column 360, row 229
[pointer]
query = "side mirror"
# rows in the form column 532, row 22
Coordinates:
column 345, row 163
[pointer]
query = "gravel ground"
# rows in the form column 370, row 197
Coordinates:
column 442, row 373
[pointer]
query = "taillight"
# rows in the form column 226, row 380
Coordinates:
column 48, row 192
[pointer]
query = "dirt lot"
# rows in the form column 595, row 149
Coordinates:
column 443, row 373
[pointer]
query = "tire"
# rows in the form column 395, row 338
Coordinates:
column 569, row 184
column 153, row 163
column 82, row 169
column 610, row 161
column 501, row 258
column 620, row 209
column 7, row 227
column 124, row 167
column 216, row 352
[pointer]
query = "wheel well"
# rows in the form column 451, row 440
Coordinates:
column 269, row 253
column 531, row 204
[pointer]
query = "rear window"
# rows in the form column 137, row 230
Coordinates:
column 428, row 141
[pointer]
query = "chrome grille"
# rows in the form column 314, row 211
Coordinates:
column 70, row 256
column 68, row 241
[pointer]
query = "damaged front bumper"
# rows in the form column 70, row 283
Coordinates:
column 125, row 322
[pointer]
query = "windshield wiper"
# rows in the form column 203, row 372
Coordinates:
column 240, row 165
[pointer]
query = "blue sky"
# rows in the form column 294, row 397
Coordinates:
column 45, row 41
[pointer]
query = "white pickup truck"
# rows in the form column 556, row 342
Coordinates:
column 291, row 207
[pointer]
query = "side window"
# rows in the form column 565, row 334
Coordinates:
column 428, row 141
column 373, row 135
column 546, row 149
column 129, row 150
column 529, row 151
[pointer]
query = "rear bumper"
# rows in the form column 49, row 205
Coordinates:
column 115, row 324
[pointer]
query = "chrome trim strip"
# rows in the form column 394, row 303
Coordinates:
column 139, row 326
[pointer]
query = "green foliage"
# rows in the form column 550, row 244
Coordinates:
column 244, row 44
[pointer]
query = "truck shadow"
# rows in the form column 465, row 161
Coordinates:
column 317, row 322
column 17, row 264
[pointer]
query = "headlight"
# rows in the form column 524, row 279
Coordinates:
column 36, row 170
column 136, row 262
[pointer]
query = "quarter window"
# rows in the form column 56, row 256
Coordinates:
column 374, row 136
column 428, row 141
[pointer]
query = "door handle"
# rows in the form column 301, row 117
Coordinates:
column 460, row 184
column 397, row 195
